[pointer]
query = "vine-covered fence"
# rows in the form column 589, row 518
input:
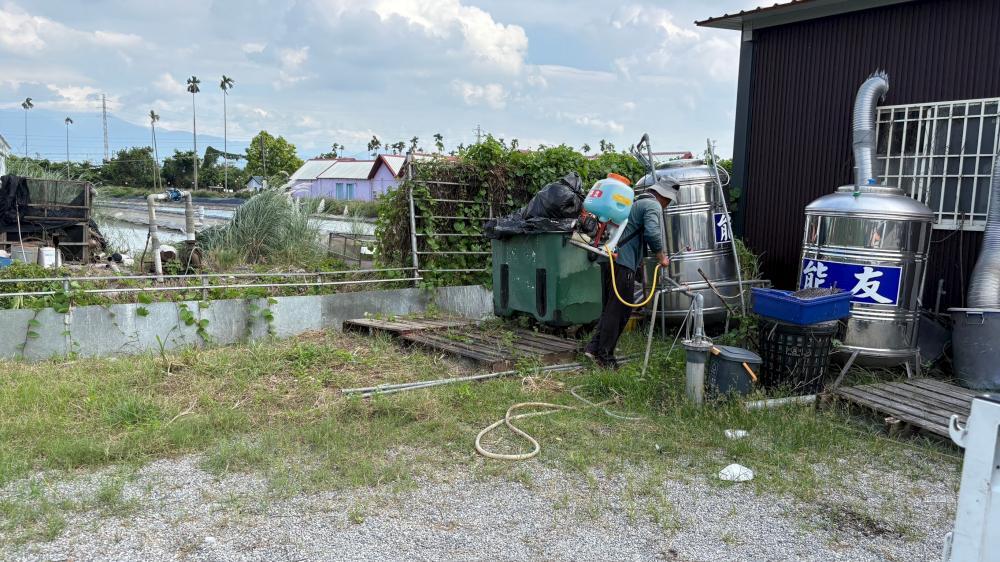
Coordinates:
column 434, row 220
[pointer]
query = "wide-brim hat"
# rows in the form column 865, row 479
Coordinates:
column 666, row 188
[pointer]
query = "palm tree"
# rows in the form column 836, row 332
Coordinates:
column 68, row 122
column 585, row 148
column 153, row 118
column 413, row 144
column 226, row 84
column 374, row 145
column 26, row 105
column 439, row 142
column 192, row 86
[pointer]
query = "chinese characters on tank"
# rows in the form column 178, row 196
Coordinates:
column 867, row 284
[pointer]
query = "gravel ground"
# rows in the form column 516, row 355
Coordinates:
column 184, row 513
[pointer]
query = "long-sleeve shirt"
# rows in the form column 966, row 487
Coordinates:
column 647, row 213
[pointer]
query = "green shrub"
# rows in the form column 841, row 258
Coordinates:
column 268, row 229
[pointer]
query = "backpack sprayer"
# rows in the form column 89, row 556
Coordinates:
column 605, row 215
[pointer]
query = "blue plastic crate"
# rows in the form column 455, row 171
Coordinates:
column 4, row 262
column 783, row 307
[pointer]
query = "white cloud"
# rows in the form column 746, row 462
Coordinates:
column 293, row 58
column 27, row 34
column 592, row 122
column 168, row 84
column 253, row 47
column 20, row 32
column 492, row 95
column 112, row 39
column 501, row 46
column 78, row 98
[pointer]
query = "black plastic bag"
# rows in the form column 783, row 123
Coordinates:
column 562, row 199
column 505, row 227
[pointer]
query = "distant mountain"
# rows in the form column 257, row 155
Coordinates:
column 47, row 136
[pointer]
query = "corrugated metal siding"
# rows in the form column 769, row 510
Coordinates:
column 804, row 79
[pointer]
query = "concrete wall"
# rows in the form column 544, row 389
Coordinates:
column 125, row 329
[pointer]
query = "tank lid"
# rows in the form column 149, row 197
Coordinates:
column 682, row 171
column 738, row 354
column 871, row 200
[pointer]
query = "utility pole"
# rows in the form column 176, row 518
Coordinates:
column 104, row 117
column 263, row 156
column 479, row 134
column 68, row 122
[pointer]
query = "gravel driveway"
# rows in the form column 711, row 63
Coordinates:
column 184, row 513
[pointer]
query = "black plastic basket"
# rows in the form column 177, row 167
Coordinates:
column 795, row 357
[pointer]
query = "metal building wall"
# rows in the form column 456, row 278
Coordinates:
column 803, row 81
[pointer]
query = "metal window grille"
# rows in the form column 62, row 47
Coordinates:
column 942, row 154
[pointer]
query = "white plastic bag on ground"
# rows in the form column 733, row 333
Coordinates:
column 736, row 434
column 736, row 473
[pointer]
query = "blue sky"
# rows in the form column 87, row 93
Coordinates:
column 324, row 71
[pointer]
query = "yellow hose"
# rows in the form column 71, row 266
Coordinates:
column 614, row 283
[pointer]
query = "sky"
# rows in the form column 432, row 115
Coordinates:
column 325, row 71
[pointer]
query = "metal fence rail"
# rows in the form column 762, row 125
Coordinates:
column 418, row 250
column 315, row 280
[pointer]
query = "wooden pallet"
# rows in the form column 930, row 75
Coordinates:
column 498, row 354
column 924, row 403
column 400, row 326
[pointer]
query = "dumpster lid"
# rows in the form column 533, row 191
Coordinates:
column 737, row 354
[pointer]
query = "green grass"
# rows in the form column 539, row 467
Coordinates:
column 275, row 408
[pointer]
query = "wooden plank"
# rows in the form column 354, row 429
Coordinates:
column 879, row 408
column 945, row 388
column 449, row 346
column 923, row 402
column 891, row 406
column 930, row 397
column 937, row 424
column 548, row 338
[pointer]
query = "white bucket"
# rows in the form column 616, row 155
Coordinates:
column 47, row 257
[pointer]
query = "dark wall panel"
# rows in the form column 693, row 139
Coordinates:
column 804, row 78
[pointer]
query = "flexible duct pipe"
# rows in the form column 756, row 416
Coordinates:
column 869, row 94
column 984, row 285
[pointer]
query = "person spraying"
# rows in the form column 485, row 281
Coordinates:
column 642, row 232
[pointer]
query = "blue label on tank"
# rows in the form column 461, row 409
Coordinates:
column 867, row 284
column 723, row 232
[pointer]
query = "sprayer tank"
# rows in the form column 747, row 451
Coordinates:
column 873, row 242
column 697, row 237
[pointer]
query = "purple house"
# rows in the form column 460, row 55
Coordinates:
column 346, row 178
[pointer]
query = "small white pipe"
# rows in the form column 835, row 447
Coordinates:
column 775, row 402
column 154, row 239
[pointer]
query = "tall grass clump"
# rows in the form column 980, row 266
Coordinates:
column 268, row 229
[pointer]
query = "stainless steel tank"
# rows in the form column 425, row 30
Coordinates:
column 872, row 241
column 696, row 235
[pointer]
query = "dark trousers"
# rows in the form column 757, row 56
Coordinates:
column 614, row 315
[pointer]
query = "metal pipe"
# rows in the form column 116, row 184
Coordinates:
column 984, row 285
column 729, row 226
column 199, row 287
column 149, row 277
column 870, row 93
column 393, row 388
column 413, row 221
column 775, row 402
column 154, row 239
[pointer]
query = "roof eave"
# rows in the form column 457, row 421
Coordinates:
column 782, row 14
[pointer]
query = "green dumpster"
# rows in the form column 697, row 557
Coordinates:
column 545, row 276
